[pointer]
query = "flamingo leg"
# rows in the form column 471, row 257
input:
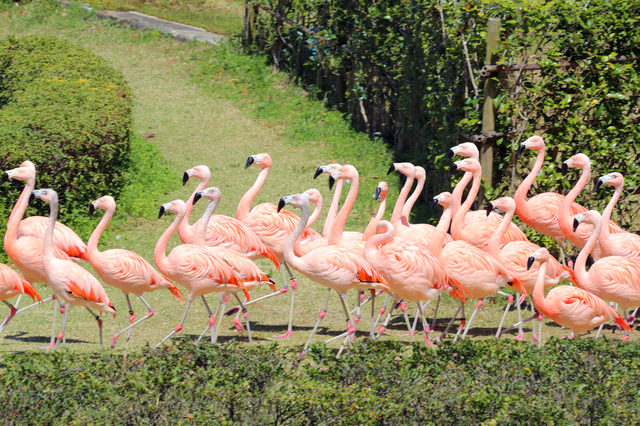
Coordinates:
column 55, row 313
column 417, row 317
column 225, row 299
column 132, row 322
column 426, row 329
column 64, row 326
column 294, row 284
column 315, row 328
column 373, row 313
column 461, row 327
column 12, row 313
column 246, row 319
column 473, row 315
column 631, row 318
column 178, row 328
column 506, row 310
column 383, row 309
column 99, row 321
column 351, row 327
column 33, row 305
column 518, row 324
column 212, row 318
column 383, row 327
column 406, row 318
column 453, row 318
column 236, row 321
column 563, row 253
column 540, row 317
column 435, row 314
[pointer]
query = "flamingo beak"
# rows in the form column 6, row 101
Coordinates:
column 377, row 194
column 530, row 262
column 4, row 178
column 332, row 181
column 185, row 178
column 31, row 198
column 281, row 204
column 91, row 210
column 575, row 224
column 521, row 149
column 489, row 208
column 161, row 212
column 391, row 169
column 453, row 168
column 196, row 197
column 598, row 184
column 565, row 169
column 434, row 203
column 318, row 172
column 248, row 163
column 450, row 154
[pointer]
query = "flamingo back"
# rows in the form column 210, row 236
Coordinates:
column 63, row 237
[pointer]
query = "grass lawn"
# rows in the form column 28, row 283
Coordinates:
column 216, row 106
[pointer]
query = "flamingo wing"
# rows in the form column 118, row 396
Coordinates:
column 63, row 237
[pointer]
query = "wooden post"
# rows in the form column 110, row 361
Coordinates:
column 488, row 111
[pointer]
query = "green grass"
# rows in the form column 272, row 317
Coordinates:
column 216, row 106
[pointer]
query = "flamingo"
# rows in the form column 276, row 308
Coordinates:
column 123, row 269
column 478, row 232
column 71, row 283
column 247, row 271
column 477, row 271
column 12, row 284
column 569, row 306
column 580, row 237
column 331, row 266
column 613, row 278
column 195, row 268
column 420, row 176
column 26, row 251
column 335, row 201
column 381, row 195
column 272, row 228
column 623, row 243
column 410, row 270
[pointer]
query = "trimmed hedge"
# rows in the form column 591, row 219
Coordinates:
column 66, row 110
column 383, row 383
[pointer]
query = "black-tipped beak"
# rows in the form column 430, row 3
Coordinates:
column 434, row 203
column 453, row 168
column 161, row 212
column 332, row 181
column 185, row 178
column 248, row 163
column 450, row 154
column 565, row 169
column 530, row 262
column 598, row 185
column 391, row 169
column 318, row 172
column 575, row 224
column 281, row 204
column 91, row 210
column 377, row 194
column 196, row 198
column 31, row 198
column 489, row 208
column 4, row 178
column 521, row 149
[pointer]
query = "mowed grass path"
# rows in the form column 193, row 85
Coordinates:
column 193, row 122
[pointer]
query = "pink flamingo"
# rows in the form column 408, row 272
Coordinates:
column 198, row 270
column 335, row 201
column 614, row 278
column 26, row 252
column 381, row 195
column 71, row 283
column 569, row 306
column 123, row 269
column 580, row 237
column 12, row 284
column 272, row 228
column 331, row 266
column 247, row 271
column 623, row 243
column 410, row 270
column 476, row 270
column 478, row 232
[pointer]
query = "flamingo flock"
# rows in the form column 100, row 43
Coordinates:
column 468, row 255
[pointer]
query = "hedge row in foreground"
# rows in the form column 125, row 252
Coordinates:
column 565, row 382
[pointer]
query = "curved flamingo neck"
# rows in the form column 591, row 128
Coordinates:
column 377, row 240
column 18, row 212
column 92, row 245
column 522, row 191
column 437, row 238
column 159, row 255
column 245, row 202
column 288, row 253
column 338, row 227
column 495, row 242
column 459, row 190
column 582, row 276
column 333, row 209
column 201, row 227
column 47, row 245
column 406, row 210
column 317, row 209
column 402, row 197
column 606, row 214
column 458, row 219
column 538, row 290
column 564, row 212
column 185, row 230
column 373, row 224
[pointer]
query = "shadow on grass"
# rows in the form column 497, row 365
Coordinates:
column 26, row 338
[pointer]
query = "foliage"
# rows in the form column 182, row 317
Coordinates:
column 413, row 78
column 565, row 382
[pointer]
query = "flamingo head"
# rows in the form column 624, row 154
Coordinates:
column 445, row 199
column 468, row 165
column 107, row 202
column 381, row 190
column 506, row 204
column 614, row 179
column 175, row 206
column 541, row 255
column 347, row 172
column 579, row 161
column 329, row 169
column 314, row 195
column 49, row 196
column 420, row 173
column 384, row 226
column 26, row 172
column 467, row 149
column 406, row 169
column 296, row 200
column 591, row 217
column 201, row 172
column 534, row 142
column 261, row 160
column 211, row 194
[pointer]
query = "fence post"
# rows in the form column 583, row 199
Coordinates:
column 488, row 111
